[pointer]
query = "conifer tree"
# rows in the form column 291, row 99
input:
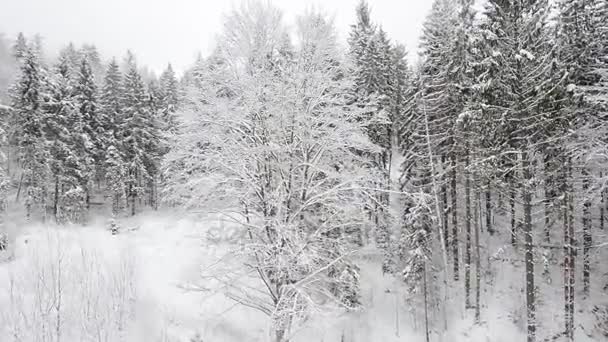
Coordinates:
column 71, row 55
column 60, row 127
column 28, row 129
column 519, row 81
column 85, row 92
column 90, row 52
column 169, row 92
column 439, row 88
column 20, row 46
column 111, row 100
column 140, row 135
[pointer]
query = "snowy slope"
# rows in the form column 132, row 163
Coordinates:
column 146, row 273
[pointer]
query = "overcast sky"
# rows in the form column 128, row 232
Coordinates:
column 162, row 31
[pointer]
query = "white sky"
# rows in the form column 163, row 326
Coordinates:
column 162, row 31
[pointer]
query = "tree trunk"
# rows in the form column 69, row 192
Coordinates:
column 87, row 197
column 454, row 212
column 489, row 226
column 426, row 302
column 569, row 251
column 132, row 198
column 445, row 211
column 602, row 204
column 529, row 248
column 587, row 238
column 571, row 268
column 513, row 224
column 568, row 255
column 477, row 259
column 467, row 221
column 56, row 198
column 547, row 203
column 19, row 187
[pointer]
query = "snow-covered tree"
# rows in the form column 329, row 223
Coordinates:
column 27, row 126
column 139, row 134
column 20, row 46
column 169, row 90
column 280, row 151
column 92, row 123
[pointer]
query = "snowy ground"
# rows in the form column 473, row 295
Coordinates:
column 133, row 287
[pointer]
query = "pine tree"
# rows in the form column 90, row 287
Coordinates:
column 28, row 126
column 92, row 122
column 111, row 100
column 116, row 174
column 73, row 58
column 59, row 115
column 582, row 38
column 169, row 92
column 518, row 79
column 92, row 55
column 140, row 136
column 440, row 87
column 20, row 46
column 111, row 105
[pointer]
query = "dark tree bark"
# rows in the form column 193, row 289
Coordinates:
column 568, row 256
column 467, row 220
column 587, row 237
column 548, row 202
column 513, row 223
column 454, row 213
column 602, row 204
column 477, row 215
column 56, row 198
column 489, row 227
column 529, row 248
column 444, row 196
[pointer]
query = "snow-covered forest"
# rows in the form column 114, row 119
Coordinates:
column 293, row 185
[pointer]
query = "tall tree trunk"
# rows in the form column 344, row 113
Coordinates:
column 548, row 202
column 489, row 226
column 571, row 268
column 56, row 198
column 569, row 249
column 87, row 194
column 467, row 220
column 602, row 204
column 529, row 247
column 454, row 212
column 587, row 238
column 445, row 211
column 513, row 223
column 132, row 198
column 568, row 255
column 477, row 259
column 19, row 187
column 426, row 302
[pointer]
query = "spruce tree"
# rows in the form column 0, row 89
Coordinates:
column 140, row 135
column 518, row 83
column 85, row 92
column 59, row 119
column 169, row 92
column 20, row 46
column 28, row 129
column 73, row 58
column 111, row 105
column 440, row 92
